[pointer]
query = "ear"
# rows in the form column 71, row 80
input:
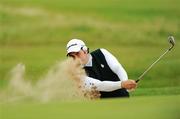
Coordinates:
column 85, row 51
column 84, row 48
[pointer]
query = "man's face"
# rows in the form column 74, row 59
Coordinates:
column 82, row 55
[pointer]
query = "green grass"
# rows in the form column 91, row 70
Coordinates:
column 156, row 107
column 141, row 23
column 35, row 33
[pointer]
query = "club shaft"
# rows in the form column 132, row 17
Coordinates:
column 140, row 77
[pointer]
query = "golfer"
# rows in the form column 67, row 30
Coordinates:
column 103, row 70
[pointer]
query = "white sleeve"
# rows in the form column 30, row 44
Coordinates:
column 106, row 86
column 114, row 65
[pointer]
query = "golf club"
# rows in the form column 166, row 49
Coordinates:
column 172, row 42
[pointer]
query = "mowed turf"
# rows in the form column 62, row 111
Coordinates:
column 156, row 107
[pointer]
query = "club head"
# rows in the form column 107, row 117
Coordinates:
column 171, row 41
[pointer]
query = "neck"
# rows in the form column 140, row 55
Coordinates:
column 87, row 59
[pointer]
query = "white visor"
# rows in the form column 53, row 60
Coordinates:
column 74, row 45
column 75, row 48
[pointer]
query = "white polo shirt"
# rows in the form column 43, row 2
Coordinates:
column 106, row 86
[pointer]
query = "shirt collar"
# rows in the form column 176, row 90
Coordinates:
column 89, row 63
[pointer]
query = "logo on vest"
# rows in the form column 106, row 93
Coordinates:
column 102, row 65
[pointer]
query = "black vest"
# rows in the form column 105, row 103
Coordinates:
column 101, row 71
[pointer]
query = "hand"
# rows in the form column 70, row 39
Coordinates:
column 129, row 84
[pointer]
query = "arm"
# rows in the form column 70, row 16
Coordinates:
column 107, row 86
column 114, row 65
column 117, row 68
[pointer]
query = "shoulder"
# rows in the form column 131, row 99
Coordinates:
column 96, row 51
column 101, row 51
column 104, row 51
